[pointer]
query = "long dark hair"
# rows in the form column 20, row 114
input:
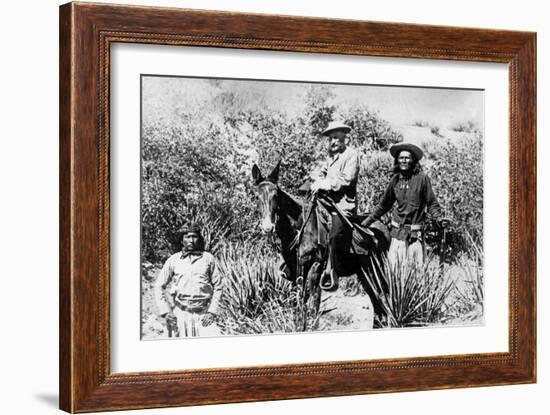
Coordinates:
column 416, row 166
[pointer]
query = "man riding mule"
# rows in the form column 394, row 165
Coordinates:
column 336, row 180
column 323, row 230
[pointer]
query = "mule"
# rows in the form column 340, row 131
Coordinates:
column 304, row 242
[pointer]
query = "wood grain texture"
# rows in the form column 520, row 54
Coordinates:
column 86, row 33
column 65, row 248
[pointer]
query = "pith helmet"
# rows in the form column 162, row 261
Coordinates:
column 336, row 126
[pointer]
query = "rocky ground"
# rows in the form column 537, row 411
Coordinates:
column 350, row 309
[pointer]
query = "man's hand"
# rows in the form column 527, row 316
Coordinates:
column 367, row 222
column 445, row 223
column 171, row 319
column 322, row 184
column 208, row 319
column 318, row 173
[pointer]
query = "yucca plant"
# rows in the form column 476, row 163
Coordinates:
column 414, row 296
column 256, row 300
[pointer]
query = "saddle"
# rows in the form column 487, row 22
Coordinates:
column 364, row 240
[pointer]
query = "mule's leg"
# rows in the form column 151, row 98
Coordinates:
column 313, row 289
column 312, row 293
column 376, row 293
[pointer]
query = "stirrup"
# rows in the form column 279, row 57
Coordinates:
column 329, row 280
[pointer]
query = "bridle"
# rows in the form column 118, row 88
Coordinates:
column 265, row 205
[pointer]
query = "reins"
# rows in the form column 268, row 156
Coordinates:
column 298, row 238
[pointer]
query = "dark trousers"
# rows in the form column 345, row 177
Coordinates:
column 339, row 242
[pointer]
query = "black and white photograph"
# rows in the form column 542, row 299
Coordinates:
column 272, row 207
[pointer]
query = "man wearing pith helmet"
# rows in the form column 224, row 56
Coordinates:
column 411, row 195
column 188, row 288
column 337, row 178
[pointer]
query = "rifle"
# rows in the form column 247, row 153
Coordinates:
column 443, row 250
column 172, row 327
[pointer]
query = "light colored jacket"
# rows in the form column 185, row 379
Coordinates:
column 341, row 173
column 192, row 282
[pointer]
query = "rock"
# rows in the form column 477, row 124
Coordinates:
column 346, row 312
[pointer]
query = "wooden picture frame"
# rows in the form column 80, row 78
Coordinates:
column 86, row 33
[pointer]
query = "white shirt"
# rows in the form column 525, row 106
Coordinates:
column 190, row 281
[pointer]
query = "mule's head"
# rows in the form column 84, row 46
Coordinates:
column 267, row 197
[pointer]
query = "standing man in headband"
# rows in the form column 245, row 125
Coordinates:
column 188, row 288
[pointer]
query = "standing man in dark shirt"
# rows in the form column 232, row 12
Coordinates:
column 410, row 190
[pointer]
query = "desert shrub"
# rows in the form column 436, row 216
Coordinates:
column 276, row 137
column 456, row 171
column 369, row 131
column 374, row 176
column 434, row 129
column 467, row 126
column 421, row 123
column 189, row 174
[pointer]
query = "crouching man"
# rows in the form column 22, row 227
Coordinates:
column 188, row 289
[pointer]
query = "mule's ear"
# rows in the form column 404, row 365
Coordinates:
column 274, row 175
column 257, row 175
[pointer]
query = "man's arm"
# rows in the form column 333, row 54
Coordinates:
column 336, row 181
column 162, row 281
column 216, row 280
column 319, row 172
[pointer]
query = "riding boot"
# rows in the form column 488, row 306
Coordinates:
column 338, row 244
